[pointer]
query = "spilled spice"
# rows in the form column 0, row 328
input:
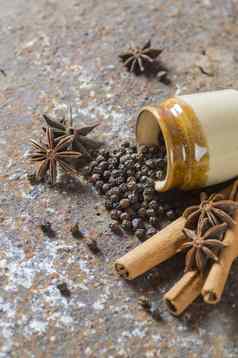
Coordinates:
column 145, row 303
column 125, row 176
column 32, row 178
column 93, row 246
column 3, row 72
column 149, row 307
column 64, row 290
column 47, row 229
column 76, row 232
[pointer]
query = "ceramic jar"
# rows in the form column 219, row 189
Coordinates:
column 201, row 137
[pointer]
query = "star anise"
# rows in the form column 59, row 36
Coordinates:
column 215, row 208
column 203, row 245
column 79, row 140
column 234, row 191
column 52, row 154
column 139, row 60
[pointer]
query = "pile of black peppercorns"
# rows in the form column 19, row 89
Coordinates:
column 126, row 178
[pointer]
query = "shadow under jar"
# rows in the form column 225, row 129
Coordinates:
column 200, row 132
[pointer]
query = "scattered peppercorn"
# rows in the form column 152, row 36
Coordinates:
column 115, row 228
column 76, row 232
column 126, row 178
column 124, row 203
column 145, row 303
column 32, row 178
column 140, row 234
column 93, row 246
column 64, row 290
column 46, row 228
column 126, row 225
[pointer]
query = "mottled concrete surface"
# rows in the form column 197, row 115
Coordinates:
column 56, row 52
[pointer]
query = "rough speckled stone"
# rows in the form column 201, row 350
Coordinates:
column 55, row 52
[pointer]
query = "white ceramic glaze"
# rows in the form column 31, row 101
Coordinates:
column 218, row 114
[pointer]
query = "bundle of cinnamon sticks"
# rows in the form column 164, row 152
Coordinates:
column 166, row 244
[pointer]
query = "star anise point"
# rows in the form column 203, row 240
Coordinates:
column 52, row 154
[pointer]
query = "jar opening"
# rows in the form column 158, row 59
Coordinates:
column 149, row 132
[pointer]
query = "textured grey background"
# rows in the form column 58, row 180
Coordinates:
column 56, row 52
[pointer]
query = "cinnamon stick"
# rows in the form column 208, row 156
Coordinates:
column 217, row 277
column 152, row 252
column 184, row 292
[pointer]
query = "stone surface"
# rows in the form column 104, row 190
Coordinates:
column 60, row 52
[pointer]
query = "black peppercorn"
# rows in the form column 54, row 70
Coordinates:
column 93, row 164
column 106, row 187
column 143, row 179
column 114, row 198
column 136, row 206
column 93, row 246
column 115, row 227
column 103, row 166
column 150, row 163
column 150, row 173
column 124, row 203
column 115, row 214
column 131, row 185
column 94, row 178
column 150, row 232
column 122, row 188
column 153, row 220
column 126, row 225
column 140, row 234
column 99, row 185
column 105, row 153
column 129, row 172
column 145, row 303
column 144, row 170
column 47, row 229
column 98, row 170
column 153, row 204
column 126, row 144
column 113, row 162
column 124, row 159
column 138, row 223
column 134, row 148
column 151, row 212
column 170, row 214
column 124, row 216
column 160, row 210
column 115, row 191
column 133, row 157
column 106, row 174
column 120, row 180
column 133, row 198
column 112, row 181
column 148, row 190
column 116, row 173
column 99, row 158
column 64, row 290
column 144, row 149
column 76, row 232
column 142, row 212
column 108, row 204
